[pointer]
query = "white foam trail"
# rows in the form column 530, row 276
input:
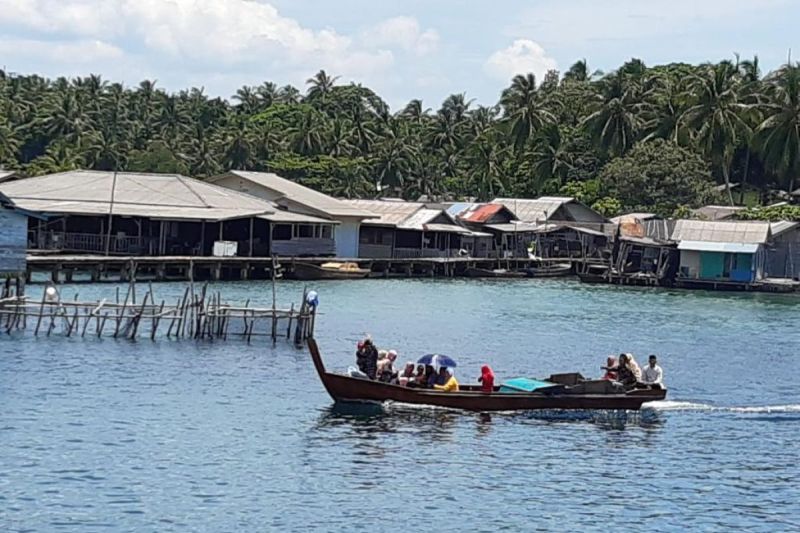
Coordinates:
column 669, row 405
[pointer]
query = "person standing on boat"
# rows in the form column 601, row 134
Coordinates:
column 652, row 374
column 487, row 379
column 450, row 383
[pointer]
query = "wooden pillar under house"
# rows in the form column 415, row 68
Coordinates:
column 202, row 237
column 252, row 220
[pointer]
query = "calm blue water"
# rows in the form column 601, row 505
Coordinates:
column 208, row 436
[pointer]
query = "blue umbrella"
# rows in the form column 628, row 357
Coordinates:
column 435, row 359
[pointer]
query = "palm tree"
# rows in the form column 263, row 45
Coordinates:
column 307, row 135
column 717, row 116
column 486, row 161
column 9, row 145
column 525, row 109
column 320, row 85
column 615, row 124
column 778, row 135
column 578, row 72
column 549, row 162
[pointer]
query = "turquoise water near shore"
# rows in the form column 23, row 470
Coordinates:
column 222, row 436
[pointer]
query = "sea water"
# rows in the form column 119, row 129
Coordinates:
column 119, row 435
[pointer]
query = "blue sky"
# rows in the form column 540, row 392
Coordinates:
column 402, row 49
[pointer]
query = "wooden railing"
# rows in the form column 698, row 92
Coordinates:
column 89, row 242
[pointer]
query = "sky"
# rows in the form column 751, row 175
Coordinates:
column 405, row 49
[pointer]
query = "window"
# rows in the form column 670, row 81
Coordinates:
column 327, row 232
column 305, row 231
column 282, row 232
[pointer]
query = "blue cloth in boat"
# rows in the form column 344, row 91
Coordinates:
column 524, row 385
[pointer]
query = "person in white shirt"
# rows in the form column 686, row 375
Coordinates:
column 652, row 373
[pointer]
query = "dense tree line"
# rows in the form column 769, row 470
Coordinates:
column 637, row 138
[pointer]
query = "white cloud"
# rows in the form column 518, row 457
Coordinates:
column 83, row 52
column 193, row 35
column 522, row 57
column 402, row 32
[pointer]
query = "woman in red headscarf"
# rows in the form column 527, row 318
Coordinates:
column 486, row 379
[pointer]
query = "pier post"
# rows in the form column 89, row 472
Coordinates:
column 216, row 271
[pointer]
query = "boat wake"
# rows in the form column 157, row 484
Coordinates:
column 671, row 405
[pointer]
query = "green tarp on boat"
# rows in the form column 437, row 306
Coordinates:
column 524, row 385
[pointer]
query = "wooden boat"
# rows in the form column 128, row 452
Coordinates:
column 570, row 391
column 475, row 272
column 333, row 270
column 550, row 271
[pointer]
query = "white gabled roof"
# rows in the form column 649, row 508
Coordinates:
column 295, row 192
column 160, row 196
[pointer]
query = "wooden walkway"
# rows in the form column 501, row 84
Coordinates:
column 181, row 268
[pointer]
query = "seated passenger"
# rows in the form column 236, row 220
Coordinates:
column 431, row 377
column 450, row 384
column 386, row 372
column 628, row 372
column 367, row 358
column 652, row 374
column 420, row 379
column 610, row 368
column 406, row 378
column 487, row 379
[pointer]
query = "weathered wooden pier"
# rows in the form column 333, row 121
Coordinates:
column 96, row 268
column 198, row 314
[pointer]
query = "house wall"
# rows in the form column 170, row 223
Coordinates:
column 346, row 236
column 783, row 256
column 13, row 241
column 690, row 264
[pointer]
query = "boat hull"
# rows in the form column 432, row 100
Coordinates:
column 550, row 272
column 349, row 389
column 474, row 272
column 309, row 272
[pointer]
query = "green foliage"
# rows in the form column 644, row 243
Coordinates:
column 602, row 138
column 657, row 176
column 771, row 213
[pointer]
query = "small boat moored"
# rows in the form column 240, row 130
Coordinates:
column 559, row 391
column 550, row 271
column 332, row 270
column 475, row 272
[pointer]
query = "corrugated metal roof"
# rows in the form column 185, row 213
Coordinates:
column 538, row 210
column 512, row 227
column 160, row 196
column 542, row 209
column 386, row 213
column 634, row 216
column 728, row 247
column 446, row 228
column 784, row 225
column 721, row 231
column 716, row 212
column 7, row 175
column 419, row 218
column 326, row 205
column 476, row 213
column 283, row 216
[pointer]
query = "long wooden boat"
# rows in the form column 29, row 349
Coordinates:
column 551, row 271
column 586, row 394
column 307, row 271
column 475, row 272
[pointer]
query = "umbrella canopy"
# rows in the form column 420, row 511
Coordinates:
column 435, row 359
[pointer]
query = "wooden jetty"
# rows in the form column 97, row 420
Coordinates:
column 96, row 268
column 201, row 314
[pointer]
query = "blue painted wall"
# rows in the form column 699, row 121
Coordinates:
column 13, row 241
